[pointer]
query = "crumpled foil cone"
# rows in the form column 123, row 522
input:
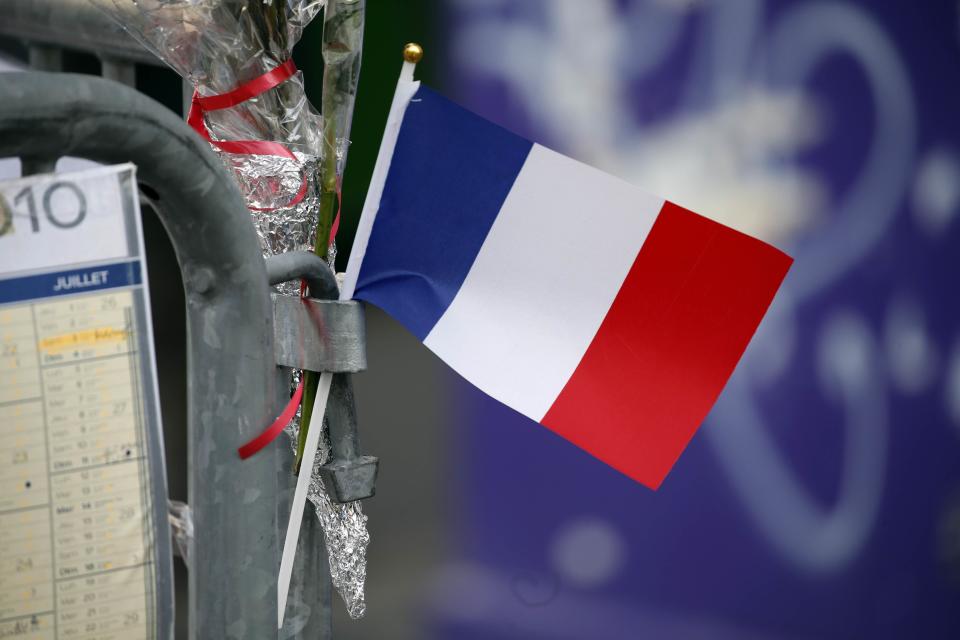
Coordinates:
column 268, row 183
column 344, row 528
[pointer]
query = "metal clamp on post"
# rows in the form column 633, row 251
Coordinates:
column 320, row 333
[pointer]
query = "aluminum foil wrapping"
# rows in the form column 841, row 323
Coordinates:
column 218, row 45
column 273, row 181
column 270, row 183
column 344, row 529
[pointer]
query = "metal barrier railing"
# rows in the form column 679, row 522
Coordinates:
column 236, row 545
column 70, row 24
column 48, row 27
column 235, row 549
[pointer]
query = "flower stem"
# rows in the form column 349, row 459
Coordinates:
column 342, row 44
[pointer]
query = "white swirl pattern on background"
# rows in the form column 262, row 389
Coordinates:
column 571, row 66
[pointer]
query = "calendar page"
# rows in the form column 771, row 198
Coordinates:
column 82, row 488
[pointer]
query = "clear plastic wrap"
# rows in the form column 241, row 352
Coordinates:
column 293, row 197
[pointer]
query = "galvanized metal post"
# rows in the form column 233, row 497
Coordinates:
column 228, row 588
column 234, row 386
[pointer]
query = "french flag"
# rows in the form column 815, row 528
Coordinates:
column 612, row 317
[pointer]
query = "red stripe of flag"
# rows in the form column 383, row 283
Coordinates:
column 680, row 322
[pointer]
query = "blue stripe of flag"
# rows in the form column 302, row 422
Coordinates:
column 59, row 283
column 450, row 174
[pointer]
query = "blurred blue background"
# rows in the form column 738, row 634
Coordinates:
column 821, row 498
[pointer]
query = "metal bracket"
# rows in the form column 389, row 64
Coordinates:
column 348, row 475
column 326, row 335
column 234, row 386
column 319, row 335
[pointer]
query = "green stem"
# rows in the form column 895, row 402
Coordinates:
column 342, row 41
column 328, row 203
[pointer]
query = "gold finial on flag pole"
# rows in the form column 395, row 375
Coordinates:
column 412, row 52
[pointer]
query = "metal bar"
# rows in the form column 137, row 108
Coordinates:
column 348, row 476
column 319, row 335
column 45, row 58
column 345, row 441
column 234, row 387
column 72, row 24
column 326, row 335
column 308, row 614
column 119, row 71
column 295, row 265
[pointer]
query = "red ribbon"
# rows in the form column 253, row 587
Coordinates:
column 267, row 435
column 271, row 432
column 259, row 85
column 200, row 105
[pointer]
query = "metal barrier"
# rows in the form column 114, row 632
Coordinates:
column 47, row 27
column 237, row 543
column 234, row 384
column 70, row 24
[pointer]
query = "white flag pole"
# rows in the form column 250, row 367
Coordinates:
column 406, row 87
